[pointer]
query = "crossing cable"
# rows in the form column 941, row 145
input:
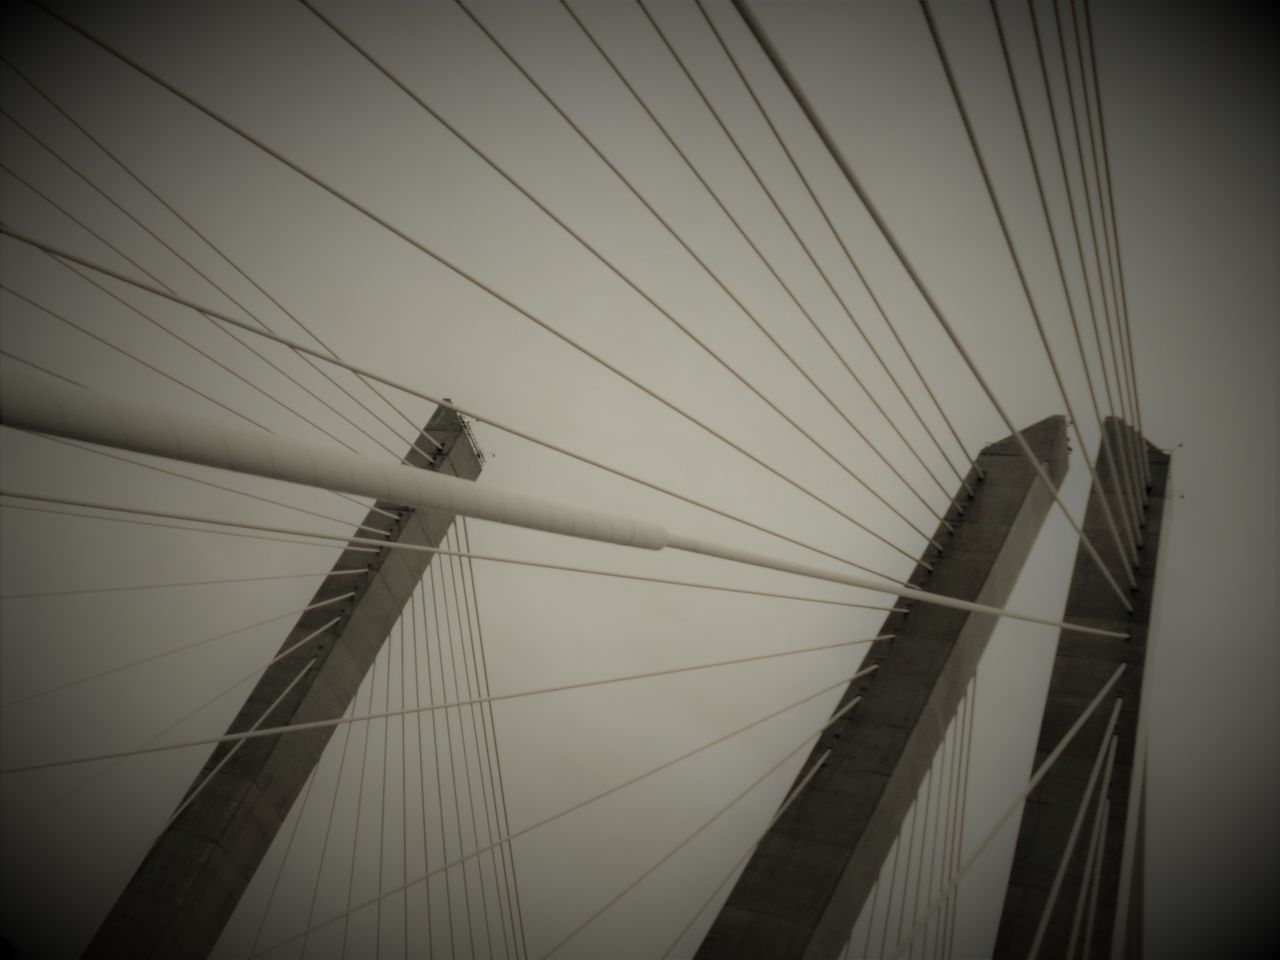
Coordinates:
column 223, row 256
column 706, row 549
column 1115, row 230
column 184, row 583
column 1093, row 234
column 680, row 543
column 136, row 359
column 612, row 790
column 301, row 810
column 904, row 946
column 469, row 277
column 714, row 194
column 453, row 767
column 1061, row 871
column 143, row 316
column 150, row 466
column 592, row 571
column 493, row 825
column 209, row 280
column 256, row 671
column 226, row 758
column 463, row 411
column 191, row 795
column 174, row 651
column 126, row 353
column 124, row 256
column 455, row 705
column 1117, row 463
column 1094, row 849
column 813, row 196
column 1121, row 551
column 435, row 756
column 36, row 366
column 505, row 827
column 275, row 659
column 116, row 249
column 99, row 451
column 216, row 249
column 470, row 672
column 707, row 823
column 824, row 136
column 373, row 61
column 963, row 111
column 874, row 213
column 795, row 792
column 134, row 521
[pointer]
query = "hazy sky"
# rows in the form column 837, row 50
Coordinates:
column 1191, row 113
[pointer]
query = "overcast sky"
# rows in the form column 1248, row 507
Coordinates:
column 1191, row 114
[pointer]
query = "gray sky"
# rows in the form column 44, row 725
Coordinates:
column 1192, row 127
